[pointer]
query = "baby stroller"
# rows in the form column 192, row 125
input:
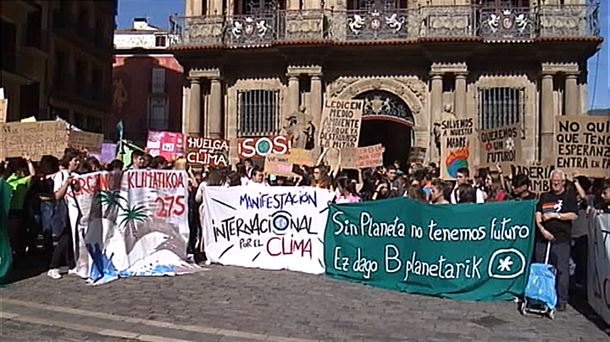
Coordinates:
column 540, row 296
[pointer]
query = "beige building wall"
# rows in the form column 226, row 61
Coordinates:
column 435, row 80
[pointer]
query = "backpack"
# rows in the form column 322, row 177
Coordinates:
column 59, row 218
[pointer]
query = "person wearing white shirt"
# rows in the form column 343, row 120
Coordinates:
column 462, row 177
column 62, row 185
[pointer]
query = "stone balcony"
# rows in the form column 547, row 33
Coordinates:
column 327, row 26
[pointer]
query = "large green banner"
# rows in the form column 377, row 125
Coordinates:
column 466, row 251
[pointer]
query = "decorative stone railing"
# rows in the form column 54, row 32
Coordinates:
column 489, row 24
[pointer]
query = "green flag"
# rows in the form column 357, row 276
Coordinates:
column 6, row 257
column 466, row 251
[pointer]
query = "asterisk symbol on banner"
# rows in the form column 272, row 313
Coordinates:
column 510, row 144
column 505, row 264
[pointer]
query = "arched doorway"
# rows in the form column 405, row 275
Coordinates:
column 386, row 120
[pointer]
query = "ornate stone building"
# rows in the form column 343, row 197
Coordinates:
column 57, row 59
column 252, row 64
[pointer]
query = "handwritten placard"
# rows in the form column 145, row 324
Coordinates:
column 3, row 110
column 370, row 156
column 501, row 145
column 299, row 156
column 457, row 144
column 582, row 145
column 341, row 121
column 206, row 151
column 539, row 176
column 82, row 140
column 279, row 165
column 33, row 138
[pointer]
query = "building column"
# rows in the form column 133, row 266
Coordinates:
column 215, row 111
column 293, row 93
column 547, row 117
column 436, row 104
column 460, row 95
column 436, row 96
column 571, row 95
column 195, row 107
column 315, row 100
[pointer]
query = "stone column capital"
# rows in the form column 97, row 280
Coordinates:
column 316, row 76
column 194, row 79
column 572, row 74
column 436, row 74
column 292, row 76
column 461, row 74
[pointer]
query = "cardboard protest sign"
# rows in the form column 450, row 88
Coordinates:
column 341, row 121
column 3, row 110
column 165, row 144
column 299, row 156
column 539, row 176
column 279, row 165
column 370, row 156
column 82, row 140
column 206, row 151
column 501, row 145
column 582, row 145
column 33, row 138
column 272, row 228
column 362, row 157
column 261, row 146
column 349, row 158
column 457, row 147
column 468, row 252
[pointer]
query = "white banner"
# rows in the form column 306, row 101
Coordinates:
column 598, row 270
column 267, row 227
column 130, row 224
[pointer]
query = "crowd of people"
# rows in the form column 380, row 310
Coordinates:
column 33, row 200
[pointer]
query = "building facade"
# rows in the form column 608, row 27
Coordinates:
column 147, row 83
column 56, row 60
column 254, row 65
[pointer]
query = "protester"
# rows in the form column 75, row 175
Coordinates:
column 382, row 191
column 554, row 215
column 580, row 231
column 321, row 178
column 521, row 188
column 463, row 177
column 40, row 203
column 137, row 160
column 346, row 191
column 397, row 186
column 466, row 193
column 438, row 189
column 494, row 187
column 61, row 226
column 602, row 201
column 19, row 182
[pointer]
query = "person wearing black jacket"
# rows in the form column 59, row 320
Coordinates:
column 555, row 212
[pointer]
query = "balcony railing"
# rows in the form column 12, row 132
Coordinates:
column 489, row 24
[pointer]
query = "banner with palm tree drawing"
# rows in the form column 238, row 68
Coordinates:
column 132, row 223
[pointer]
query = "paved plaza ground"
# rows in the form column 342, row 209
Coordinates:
column 224, row 303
